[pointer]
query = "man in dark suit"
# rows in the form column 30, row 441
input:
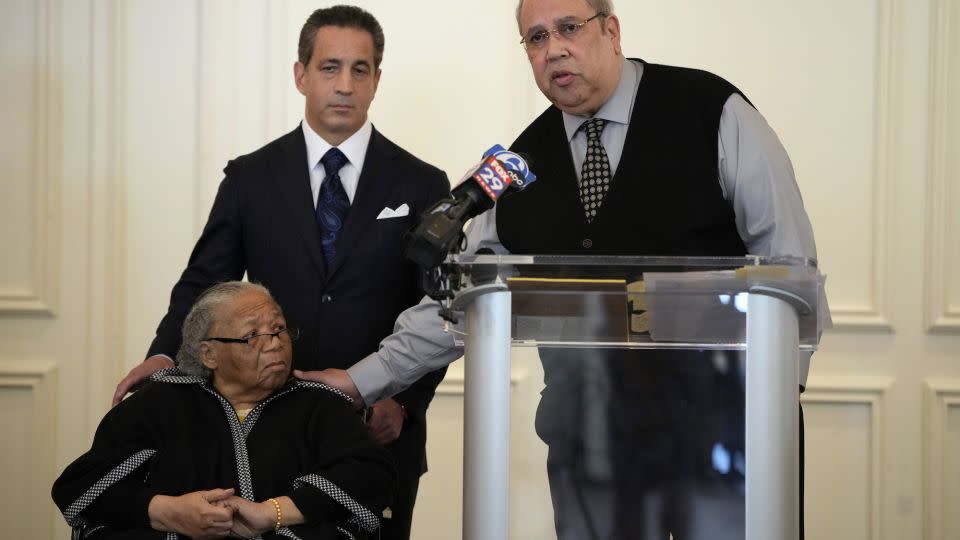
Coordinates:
column 317, row 217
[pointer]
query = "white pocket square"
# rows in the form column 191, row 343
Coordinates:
column 387, row 212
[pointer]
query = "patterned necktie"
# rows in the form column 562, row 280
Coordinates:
column 332, row 202
column 595, row 174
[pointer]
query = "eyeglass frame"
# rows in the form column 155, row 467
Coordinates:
column 556, row 31
column 294, row 333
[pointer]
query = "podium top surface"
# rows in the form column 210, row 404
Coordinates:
column 640, row 302
column 637, row 262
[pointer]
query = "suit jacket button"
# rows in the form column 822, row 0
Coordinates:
column 587, row 243
column 326, row 299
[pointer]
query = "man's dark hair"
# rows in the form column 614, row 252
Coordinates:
column 344, row 17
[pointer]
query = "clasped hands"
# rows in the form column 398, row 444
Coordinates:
column 218, row 513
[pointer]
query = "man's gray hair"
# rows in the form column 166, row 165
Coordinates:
column 599, row 6
column 201, row 319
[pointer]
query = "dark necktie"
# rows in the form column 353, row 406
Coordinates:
column 595, row 174
column 332, row 203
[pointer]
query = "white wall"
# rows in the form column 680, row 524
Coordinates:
column 120, row 116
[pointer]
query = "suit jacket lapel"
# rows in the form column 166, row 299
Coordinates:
column 373, row 187
column 293, row 181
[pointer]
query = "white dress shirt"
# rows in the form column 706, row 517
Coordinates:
column 355, row 148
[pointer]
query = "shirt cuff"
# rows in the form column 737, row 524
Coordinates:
column 370, row 378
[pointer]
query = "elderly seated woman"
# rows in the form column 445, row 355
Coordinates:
column 191, row 453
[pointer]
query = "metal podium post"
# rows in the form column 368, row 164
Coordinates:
column 772, row 423
column 486, row 432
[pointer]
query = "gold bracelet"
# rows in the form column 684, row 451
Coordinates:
column 276, row 504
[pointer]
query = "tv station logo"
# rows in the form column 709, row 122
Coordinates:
column 493, row 177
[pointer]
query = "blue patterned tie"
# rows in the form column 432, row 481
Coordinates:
column 332, row 202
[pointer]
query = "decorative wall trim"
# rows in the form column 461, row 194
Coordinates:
column 39, row 378
column 25, row 374
column 860, row 318
column 855, row 390
column 216, row 55
column 939, row 315
column 940, row 395
column 106, row 234
column 40, row 296
column 234, row 46
column 872, row 315
column 279, row 66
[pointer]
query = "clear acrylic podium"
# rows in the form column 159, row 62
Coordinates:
column 766, row 308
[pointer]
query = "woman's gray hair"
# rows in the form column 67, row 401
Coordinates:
column 201, row 318
column 599, row 6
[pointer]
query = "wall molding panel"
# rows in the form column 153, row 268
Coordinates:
column 942, row 306
column 106, row 277
column 279, row 67
column 859, row 391
column 234, row 45
column 28, row 392
column 39, row 295
column 942, row 398
column 871, row 313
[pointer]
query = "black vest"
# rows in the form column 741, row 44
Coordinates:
column 665, row 198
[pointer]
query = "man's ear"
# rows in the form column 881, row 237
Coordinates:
column 299, row 70
column 208, row 356
column 613, row 28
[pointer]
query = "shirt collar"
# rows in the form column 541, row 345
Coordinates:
column 355, row 147
column 618, row 108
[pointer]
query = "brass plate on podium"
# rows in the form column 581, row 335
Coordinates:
column 558, row 309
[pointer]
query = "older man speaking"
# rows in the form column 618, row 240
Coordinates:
column 633, row 158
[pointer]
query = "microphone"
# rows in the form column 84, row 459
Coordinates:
column 440, row 228
column 516, row 165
